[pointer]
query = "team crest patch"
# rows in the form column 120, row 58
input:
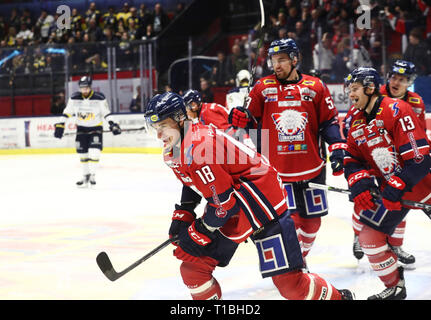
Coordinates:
column 308, row 82
column 290, row 124
column 357, row 122
column 386, row 160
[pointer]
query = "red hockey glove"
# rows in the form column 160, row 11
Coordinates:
column 337, row 157
column 181, row 219
column 393, row 193
column 194, row 240
column 360, row 184
column 239, row 117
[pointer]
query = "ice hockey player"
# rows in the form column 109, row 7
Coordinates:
column 297, row 111
column 400, row 78
column 245, row 198
column 387, row 157
column 238, row 95
column 89, row 109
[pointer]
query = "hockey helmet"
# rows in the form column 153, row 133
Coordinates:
column 85, row 81
column 241, row 77
column 404, row 68
column 192, row 96
column 165, row 105
column 365, row 76
column 284, row 46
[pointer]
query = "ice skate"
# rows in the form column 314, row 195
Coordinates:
column 346, row 294
column 357, row 250
column 84, row 182
column 92, row 180
column 397, row 292
column 408, row 260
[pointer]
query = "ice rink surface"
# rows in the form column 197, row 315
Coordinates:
column 51, row 233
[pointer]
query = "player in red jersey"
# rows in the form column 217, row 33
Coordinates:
column 402, row 76
column 245, row 198
column 387, row 145
column 296, row 115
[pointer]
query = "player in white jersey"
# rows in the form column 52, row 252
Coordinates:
column 89, row 109
column 236, row 96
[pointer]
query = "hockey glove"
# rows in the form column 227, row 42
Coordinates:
column 337, row 157
column 194, row 241
column 239, row 117
column 393, row 193
column 181, row 219
column 114, row 127
column 59, row 130
column 361, row 184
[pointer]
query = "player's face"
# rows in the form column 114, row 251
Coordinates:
column 282, row 65
column 357, row 95
column 168, row 132
column 398, row 85
column 85, row 91
column 192, row 110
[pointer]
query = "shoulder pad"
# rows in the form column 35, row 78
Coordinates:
column 98, row 96
column 76, row 96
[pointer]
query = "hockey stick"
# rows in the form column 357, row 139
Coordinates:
column 108, row 270
column 419, row 205
column 105, row 131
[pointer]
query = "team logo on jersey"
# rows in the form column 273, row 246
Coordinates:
column 414, row 100
column 379, row 111
column 394, row 107
column 386, row 160
column 290, row 125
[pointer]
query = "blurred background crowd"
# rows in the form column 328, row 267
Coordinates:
column 331, row 40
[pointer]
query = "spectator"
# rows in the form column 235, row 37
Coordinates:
column 27, row 18
column 145, row 16
column 108, row 35
column 418, row 52
column 323, row 57
column 292, row 18
column 58, row 104
column 44, row 23
column 94, row 31
column 149, row 33
column 92, row 14
column 134, row 30
column 14, row 20
column 25, row 33
column 206, row 92
column 110, row 19
column 236, row 62
column 76, row 21
column 303, row 41
column 160, row 19
column 135, row 104
column 220, row 72
column 125, row 52
column 2, row 27
column 11, row 37
column 124, row 15
column 342, row 57
column 179, row 9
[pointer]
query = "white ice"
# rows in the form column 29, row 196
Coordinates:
column 52, row 231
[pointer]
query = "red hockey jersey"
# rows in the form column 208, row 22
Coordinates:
column 291, row 116
column 242, row 189
column 415, row 102
column 383, row 145
column 216, row 114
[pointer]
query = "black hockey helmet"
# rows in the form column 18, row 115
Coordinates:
column 85, row 81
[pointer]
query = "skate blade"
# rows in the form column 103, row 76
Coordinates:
column 409, row 266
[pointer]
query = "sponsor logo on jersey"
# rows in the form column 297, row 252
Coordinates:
column 269, row 81
column 358, row 133
column 379, row 111
column 418, row 156
column 293, row 103
column 357, row 122
column 414, row 100
column 220, row 211
column 290, row 125
column 374, row 141
column 309, row 82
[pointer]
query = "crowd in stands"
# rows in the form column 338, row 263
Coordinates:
column 332, row 57
column 21, row 30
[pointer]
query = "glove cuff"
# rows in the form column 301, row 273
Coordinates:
column 397, row 183
column 359, row 175
column 183, row 215
column 195, row 233
column 337, row 146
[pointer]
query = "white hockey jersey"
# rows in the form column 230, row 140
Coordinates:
column 88, row 112
column 235, row 97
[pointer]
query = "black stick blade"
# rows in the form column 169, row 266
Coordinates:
column 105, row 265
